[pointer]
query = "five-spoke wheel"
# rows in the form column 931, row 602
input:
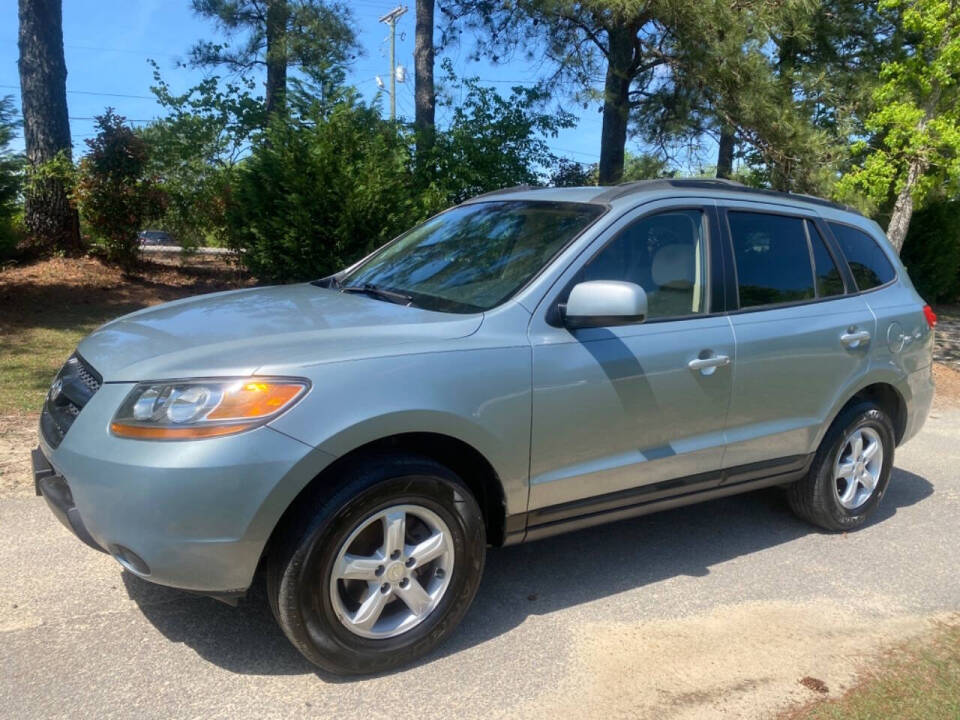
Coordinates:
column 392, row 571
column 379, row 564
column 858, row 467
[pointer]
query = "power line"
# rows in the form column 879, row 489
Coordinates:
column 125, row 119
column 90, row 92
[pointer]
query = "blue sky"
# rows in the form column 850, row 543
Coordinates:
column 107, row 44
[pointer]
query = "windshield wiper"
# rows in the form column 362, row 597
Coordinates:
column 379, row 293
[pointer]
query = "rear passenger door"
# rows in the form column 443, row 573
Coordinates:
column 802, row 335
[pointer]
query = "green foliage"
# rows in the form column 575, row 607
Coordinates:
column 569, row 173
column 194, row 149
column 932, row 251
column 315, row 37
column 116, row 196
column 321, row 191
column 333, row 181
column 11, row 180
column 914, row 140
column 492, row 141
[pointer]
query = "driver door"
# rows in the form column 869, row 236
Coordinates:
column 620, row 408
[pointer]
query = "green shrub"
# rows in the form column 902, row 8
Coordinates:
column 116, row 196
column 931, row 251
column 320, row 191
column 11, row 181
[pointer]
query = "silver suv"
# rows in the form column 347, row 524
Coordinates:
column 530, row 362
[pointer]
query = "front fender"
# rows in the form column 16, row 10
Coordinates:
column 480, row 397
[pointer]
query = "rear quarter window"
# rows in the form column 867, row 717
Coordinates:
column 868, row 263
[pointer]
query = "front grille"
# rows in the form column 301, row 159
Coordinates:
column 73, row 387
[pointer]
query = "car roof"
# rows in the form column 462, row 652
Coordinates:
column 631, row 192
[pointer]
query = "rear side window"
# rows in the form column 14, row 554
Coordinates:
column 772, row 259
column 868, row 263
column 829, row 281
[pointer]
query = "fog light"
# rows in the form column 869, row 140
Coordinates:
column 129, row 559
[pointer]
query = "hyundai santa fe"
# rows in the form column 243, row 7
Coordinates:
column 529, row 362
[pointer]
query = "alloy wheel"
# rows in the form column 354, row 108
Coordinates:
column 392, row 571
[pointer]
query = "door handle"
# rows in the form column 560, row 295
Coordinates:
column 854, row 339
column 708, row 364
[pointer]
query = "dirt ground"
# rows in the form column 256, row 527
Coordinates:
column 797, row 644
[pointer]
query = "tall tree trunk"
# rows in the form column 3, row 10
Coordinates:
column 725, row 153
column 425, row 98
column 278, row 14
column 903, row 207
column 50, row 218
column 616, row 104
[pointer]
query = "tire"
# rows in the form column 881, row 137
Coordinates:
column 316, row 610
column 827, row 500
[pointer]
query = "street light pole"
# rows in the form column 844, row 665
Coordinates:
column 391, row 20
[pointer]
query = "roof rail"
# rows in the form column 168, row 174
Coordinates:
column 624, row 189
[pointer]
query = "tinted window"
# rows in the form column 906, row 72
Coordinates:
column 868, row 263
column 829, row 281
column 665, row 255
column 474, row 257
column 773, row 262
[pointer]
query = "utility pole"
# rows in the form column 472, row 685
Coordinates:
column 391, row 20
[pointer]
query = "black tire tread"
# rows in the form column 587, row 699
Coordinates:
column 808, row 496
column 321, row 506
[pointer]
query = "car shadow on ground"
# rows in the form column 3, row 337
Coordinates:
column 533, row 579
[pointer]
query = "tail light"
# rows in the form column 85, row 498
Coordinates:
column 930, row 315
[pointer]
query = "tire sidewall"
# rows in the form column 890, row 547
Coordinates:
column 304, row 604
column 860, row 416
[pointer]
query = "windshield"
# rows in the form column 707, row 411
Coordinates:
column 474, row 257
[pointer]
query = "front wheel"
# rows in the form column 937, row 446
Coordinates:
column 850, row 472
column 383, row 570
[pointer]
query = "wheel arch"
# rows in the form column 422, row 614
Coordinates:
column 884, row 392
column 452, row 452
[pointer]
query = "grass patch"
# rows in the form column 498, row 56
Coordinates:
column 919, row 681
column 48, row 307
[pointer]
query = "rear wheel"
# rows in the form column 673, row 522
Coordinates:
column 850, row 472
column 382, row 570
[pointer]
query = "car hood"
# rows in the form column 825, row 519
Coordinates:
column 236, row 333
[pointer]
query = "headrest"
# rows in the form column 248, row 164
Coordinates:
column 672, row 266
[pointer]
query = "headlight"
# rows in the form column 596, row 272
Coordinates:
column 186, row 409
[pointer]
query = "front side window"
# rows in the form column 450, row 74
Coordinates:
column 772, row 259
column 665, row 254
column 474, row 257
column 868, row 263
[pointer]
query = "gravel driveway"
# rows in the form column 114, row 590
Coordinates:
column 708, row 611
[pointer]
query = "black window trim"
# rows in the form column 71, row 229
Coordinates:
column 846, row 262
column 838, row 262
column 733, row 295
column 715, row 269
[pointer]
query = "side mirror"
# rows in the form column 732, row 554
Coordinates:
column 598, row 303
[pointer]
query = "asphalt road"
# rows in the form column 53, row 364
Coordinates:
column 702, row 611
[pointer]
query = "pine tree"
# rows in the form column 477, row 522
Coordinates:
column 49, row 217
column 314, row 36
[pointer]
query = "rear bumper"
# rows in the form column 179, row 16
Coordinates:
column 920, row 383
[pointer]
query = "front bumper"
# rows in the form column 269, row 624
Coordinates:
column 194, row 515
column 54, row 489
